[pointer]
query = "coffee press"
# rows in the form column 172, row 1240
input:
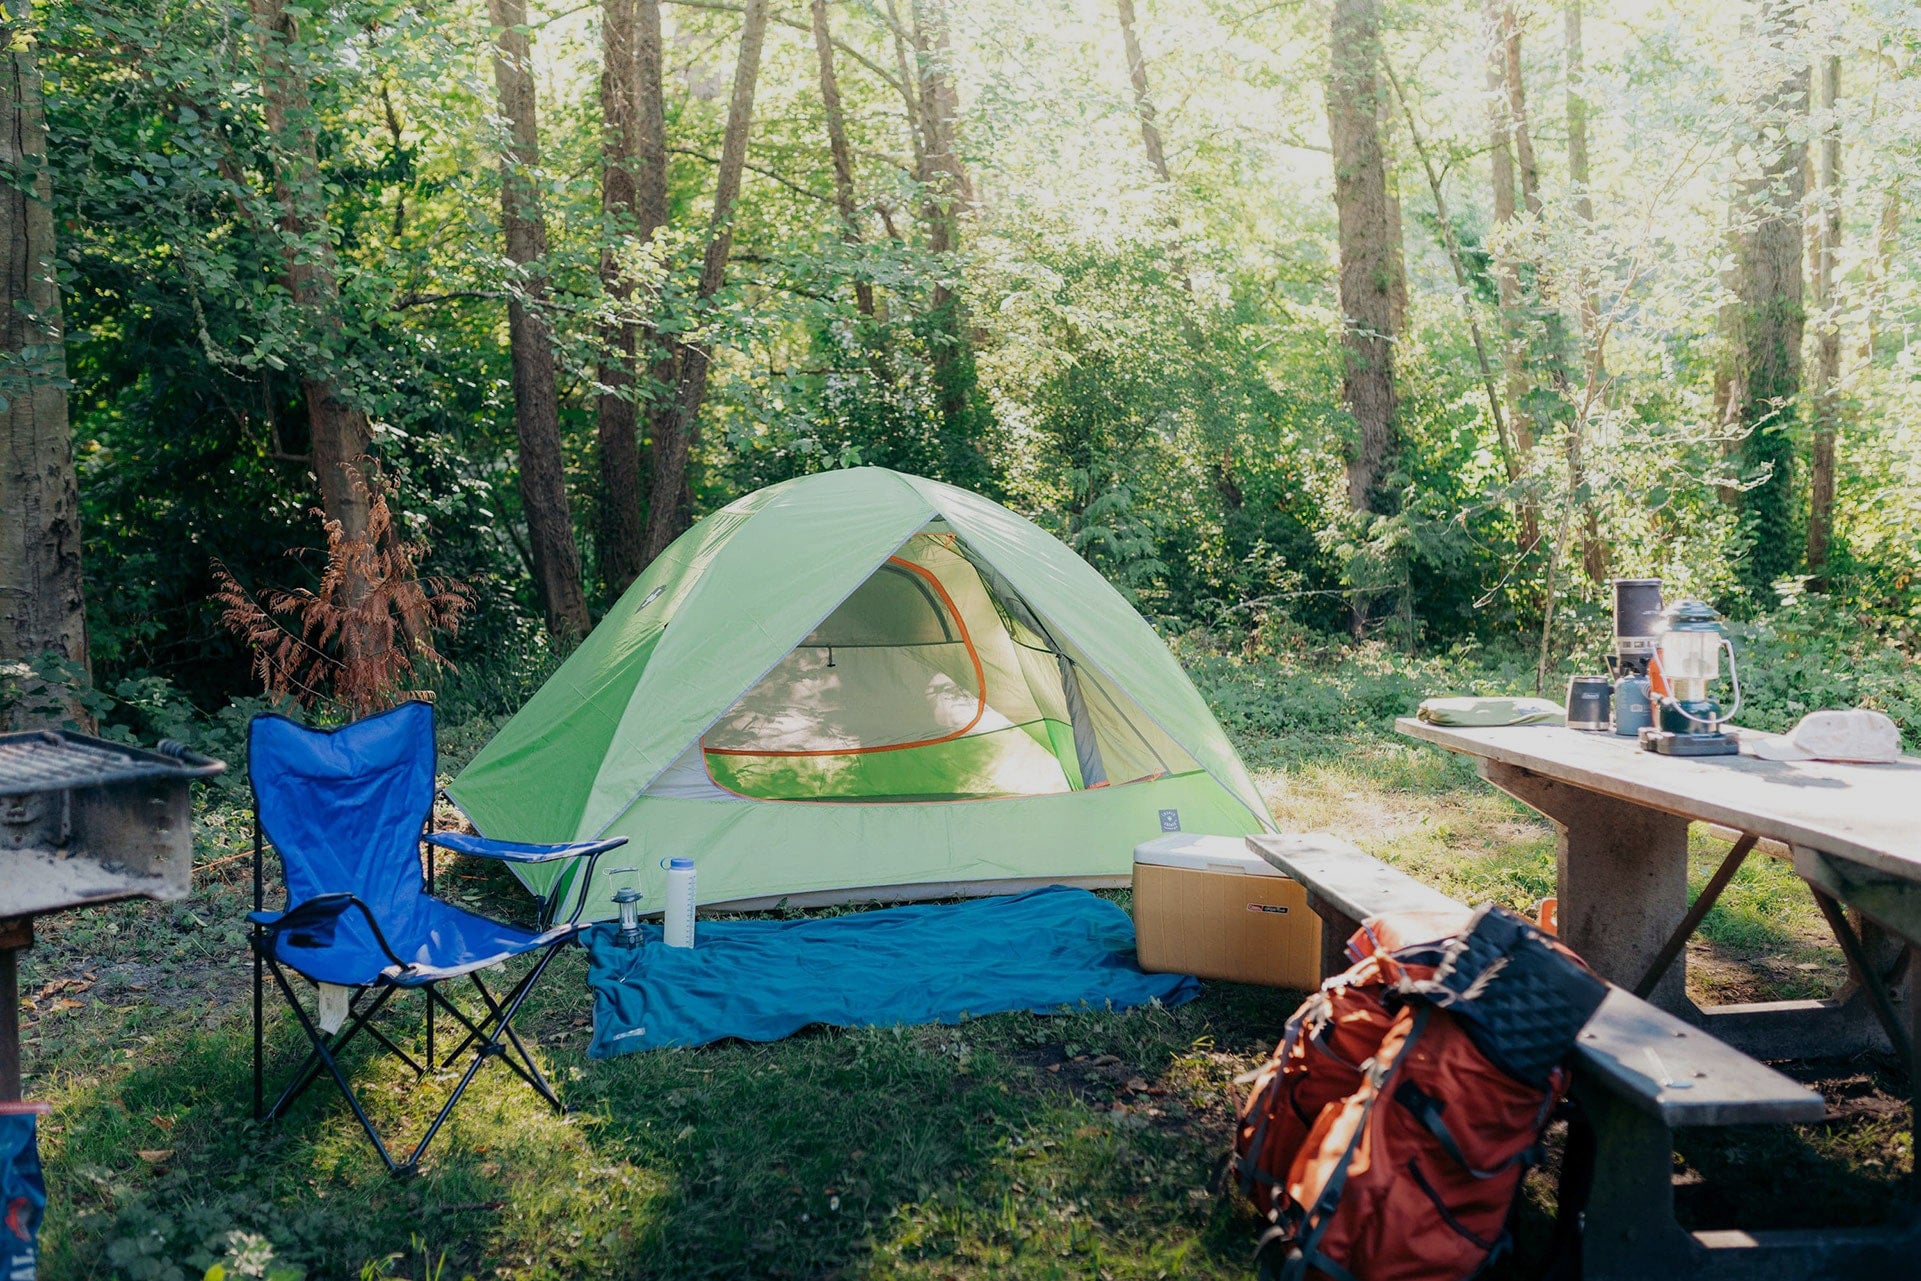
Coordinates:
column 1637, row 625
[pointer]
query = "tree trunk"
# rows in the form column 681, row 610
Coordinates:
column 676, row 435
column 1463, row 293
column 1768, row 320
column 41, row 604
column 634, row 203
column 1545, row 323
column 1824, row 398
column 543, row 478
column 1396, row 232
column 837, row 144
column 1594, row 552
column 1360, row 201
column 615, row 409
column 1498, row 19
column 339, row 431
column 1887, row 236
column 1143, row 104
column 1529, row 171
column 947, row 191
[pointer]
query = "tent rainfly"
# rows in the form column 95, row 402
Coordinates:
column 862, row 684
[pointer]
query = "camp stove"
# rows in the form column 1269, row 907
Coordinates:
column 84, row 821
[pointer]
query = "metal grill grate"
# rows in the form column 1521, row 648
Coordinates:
column 56, row 760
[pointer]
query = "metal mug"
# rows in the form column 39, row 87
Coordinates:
column 1633, row 706
column 1587, row 703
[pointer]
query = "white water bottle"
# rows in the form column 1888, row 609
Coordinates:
column 677, row 923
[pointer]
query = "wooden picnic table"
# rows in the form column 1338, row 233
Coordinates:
column 1853, row 832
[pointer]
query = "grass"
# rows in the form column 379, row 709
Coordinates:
column 1012, row 1146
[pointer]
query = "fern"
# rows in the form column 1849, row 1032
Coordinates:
column 364, row 635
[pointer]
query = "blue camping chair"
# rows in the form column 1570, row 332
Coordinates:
column 348, row 810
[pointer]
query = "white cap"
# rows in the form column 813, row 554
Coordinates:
column 1856, row 734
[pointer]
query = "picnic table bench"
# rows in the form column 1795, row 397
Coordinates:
column 1640, row 1073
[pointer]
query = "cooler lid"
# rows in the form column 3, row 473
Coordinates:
column 1200, row 853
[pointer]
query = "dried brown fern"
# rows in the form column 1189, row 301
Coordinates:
column 360, row 637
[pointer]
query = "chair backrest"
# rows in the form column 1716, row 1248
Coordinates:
column 345, row 807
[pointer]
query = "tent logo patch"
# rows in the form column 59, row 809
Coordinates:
column 1276, row 908
column 1170, row 820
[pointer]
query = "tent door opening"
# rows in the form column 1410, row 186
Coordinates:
column 925, row 684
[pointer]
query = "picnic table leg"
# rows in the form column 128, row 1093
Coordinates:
column 1911, row 1007
column 1622, row 879
column 1336, row 929
column 1623, row 1199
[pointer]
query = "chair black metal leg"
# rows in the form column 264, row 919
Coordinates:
column 324, row 1046
column 420, row 1069
column 533, row 1075
column 493, row 1031
column 475, row 1031
column 319, row 1039
column 490, row 1047
column 259, row 1034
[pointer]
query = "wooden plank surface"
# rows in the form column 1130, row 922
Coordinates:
column 1354, row 883
column 1663, row 1066
column 1682, row 1074
column 1869, row 814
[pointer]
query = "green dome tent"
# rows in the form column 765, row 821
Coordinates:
column 863, row 684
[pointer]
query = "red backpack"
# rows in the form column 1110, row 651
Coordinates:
column 1386, row 1138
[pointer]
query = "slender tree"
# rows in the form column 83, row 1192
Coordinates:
column 1360, row 201
column 1143, row 102
column 1396, row 231
column 1887, row 236
column 1767, row 317
column 616, row 414
column 1545, row 327
column 338, row 430
column 947, row 192
column 1824, row 398
column 839, row 148
column 675, row 435
column 1594, row 556
column 543, row 479
column 1464, row 294
column 1498, row 24
column 41, row 603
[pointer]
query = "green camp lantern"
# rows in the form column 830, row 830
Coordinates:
column 1690, row 722
column 626, row 900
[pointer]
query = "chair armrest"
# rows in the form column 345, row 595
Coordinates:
column 517, row 852
column 318, row 915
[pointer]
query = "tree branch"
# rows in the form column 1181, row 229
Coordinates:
column 724, row 7
column 407, row 300
column 792, row 186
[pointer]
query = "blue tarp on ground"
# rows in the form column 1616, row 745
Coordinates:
column 1046, row 951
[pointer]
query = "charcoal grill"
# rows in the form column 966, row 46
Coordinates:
column 85, row 821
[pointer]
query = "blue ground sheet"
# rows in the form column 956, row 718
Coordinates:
column 1048, row 951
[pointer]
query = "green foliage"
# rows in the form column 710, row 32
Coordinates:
column 1813, row 654
column 1147, row 366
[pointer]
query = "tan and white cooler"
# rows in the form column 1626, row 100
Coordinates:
column 1209, row 906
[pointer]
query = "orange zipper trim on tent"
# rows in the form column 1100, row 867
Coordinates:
column 973, row 656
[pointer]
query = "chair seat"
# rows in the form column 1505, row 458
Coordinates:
column 436, row 939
